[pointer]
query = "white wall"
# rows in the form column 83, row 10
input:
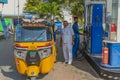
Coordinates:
column 109, row 6
column 118, row 25
column 11, row 9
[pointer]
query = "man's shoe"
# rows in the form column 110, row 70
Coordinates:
column 65, row 62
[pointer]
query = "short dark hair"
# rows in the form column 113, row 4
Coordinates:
column 75, row 17
column 65, row 21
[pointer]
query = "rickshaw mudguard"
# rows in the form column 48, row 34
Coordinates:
column 46, row 65
column 20, row 65
column 33, row 71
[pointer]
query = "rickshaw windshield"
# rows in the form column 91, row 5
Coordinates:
column 32, row 34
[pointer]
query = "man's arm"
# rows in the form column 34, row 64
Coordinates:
column 76, row 30
column 61, row 39
column 72, row 36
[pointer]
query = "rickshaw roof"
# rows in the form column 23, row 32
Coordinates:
column 35, row 23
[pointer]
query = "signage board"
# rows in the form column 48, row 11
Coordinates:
column 3, row 1
column 32, row 25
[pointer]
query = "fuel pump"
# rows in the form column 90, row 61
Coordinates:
column 95, row 18
column 113, row 42
column 102, row 22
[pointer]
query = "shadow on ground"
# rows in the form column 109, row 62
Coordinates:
column 82, row 65
column 7, row 66
column 8, row 70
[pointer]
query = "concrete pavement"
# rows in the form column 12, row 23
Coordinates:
column 77, row 71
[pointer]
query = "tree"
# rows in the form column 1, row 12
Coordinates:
column 52, row 8
column 77, row 9
column 32, row 5
column 57, row 1
column 43, row 9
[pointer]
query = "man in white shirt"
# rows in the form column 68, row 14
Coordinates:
column 67, row 42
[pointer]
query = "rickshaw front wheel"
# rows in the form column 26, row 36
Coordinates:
column 33, row 78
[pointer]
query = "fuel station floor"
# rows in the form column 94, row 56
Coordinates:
column 106, row 73
column 1, row 35
column 79, row 70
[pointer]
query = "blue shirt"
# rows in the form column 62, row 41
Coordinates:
column 76, row 30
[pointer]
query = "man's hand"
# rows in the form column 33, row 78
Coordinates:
column 72, row 42
column 81, row 33
column 60, row 44
column 84, row 34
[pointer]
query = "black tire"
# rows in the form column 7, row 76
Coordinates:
column 80, row 56
column 33, row 78
column 81, row 52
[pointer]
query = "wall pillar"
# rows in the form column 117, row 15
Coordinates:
column 118, row 23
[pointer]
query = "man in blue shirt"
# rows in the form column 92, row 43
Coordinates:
column 76, row 37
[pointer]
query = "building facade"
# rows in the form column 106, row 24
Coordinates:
column 11, row 8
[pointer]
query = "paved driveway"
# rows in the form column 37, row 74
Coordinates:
column 79, row 70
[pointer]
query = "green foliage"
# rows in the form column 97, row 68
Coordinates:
column 32, row 5
column 77, row 8
column 51, row 9
column 57, row 1
column 43, row 9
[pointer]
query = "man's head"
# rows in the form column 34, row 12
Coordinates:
column 65, row 23
column 76, row 19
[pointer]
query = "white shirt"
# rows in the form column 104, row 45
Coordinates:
column 67, row 34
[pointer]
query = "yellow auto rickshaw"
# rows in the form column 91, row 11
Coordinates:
column 34, row 48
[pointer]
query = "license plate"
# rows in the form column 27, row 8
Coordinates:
column 32, row 54
column 32, row 48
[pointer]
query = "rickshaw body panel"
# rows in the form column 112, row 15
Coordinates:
column 45, row 65
column 20, row 65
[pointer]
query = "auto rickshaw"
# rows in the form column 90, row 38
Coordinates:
column 34, row 48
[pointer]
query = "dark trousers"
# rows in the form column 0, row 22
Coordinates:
column 75, row 47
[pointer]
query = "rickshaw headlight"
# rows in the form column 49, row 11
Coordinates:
column 45, row 52
column 20, row 54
